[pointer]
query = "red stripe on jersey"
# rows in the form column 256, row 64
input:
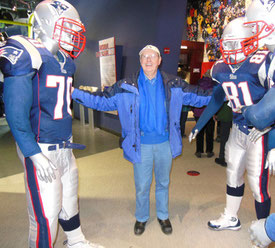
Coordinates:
column 39, row 118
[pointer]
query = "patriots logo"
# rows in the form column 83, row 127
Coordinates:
column 268, row 4
column 11, row 53
column 232, row 76
column 59, row 7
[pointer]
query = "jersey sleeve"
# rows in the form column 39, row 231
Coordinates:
column 214, row 105
column 19, row 60
column 271, row 139
column 17, row 109
column 262, row 114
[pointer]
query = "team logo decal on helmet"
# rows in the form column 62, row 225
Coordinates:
column 268, row 4
column 59, row 7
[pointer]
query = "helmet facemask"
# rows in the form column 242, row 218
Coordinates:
column 231, row 43
column 69, row 35
column 261, row 34
column 232, row 51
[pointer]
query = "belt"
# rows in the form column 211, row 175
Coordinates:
column 66, row 144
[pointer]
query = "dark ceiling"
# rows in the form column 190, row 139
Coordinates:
column 16, row 9
column 18, row 4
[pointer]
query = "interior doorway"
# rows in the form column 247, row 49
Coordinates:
column 190, row 62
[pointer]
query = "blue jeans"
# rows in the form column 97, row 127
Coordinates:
column 159, row 157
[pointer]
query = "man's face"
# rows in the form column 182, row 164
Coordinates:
column 150, row 61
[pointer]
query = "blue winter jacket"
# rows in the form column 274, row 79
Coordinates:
column 123, row 96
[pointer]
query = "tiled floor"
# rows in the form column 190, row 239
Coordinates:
column 107, row 198
column 100, row 141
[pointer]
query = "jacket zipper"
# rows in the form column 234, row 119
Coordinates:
column 135, row 120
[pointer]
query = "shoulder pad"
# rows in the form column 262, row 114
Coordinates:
column 30, row 46
column 215, row 69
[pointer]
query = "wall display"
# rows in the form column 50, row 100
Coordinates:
column 207, row 19
column 107, row 58
column 107, row 61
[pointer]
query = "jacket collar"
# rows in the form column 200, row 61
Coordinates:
column 131, row 83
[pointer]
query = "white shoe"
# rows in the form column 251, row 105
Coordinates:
column 84, row 244
column 225, row 222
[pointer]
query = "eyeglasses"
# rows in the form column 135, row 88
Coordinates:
column 151, row 56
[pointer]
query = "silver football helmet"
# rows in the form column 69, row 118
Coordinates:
column 57, row 24
column 231, row 41
column 260, row 16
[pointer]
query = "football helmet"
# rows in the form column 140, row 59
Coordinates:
column 57, row 24
column 231, row 41
column 260, row 16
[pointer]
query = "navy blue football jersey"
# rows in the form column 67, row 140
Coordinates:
column 244, row 84
column 271, row 73
column 50, row 113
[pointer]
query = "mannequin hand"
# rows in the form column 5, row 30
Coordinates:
column 44, row 167
column 270, row 162
column 258, row 234
column 193, row 135
column 240, row 109
column 255, row 134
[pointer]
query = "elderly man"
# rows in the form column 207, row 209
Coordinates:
column 149, row 106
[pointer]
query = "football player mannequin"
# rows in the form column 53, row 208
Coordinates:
column 37, row 88
column 260, row 15
column 243, row 80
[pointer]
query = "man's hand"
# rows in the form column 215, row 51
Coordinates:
column 255, row 134
column 270, row 162
column 44, row 167
column 193, row 135
column 258, row 234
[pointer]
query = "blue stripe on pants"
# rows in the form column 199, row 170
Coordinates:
column 43, row 237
